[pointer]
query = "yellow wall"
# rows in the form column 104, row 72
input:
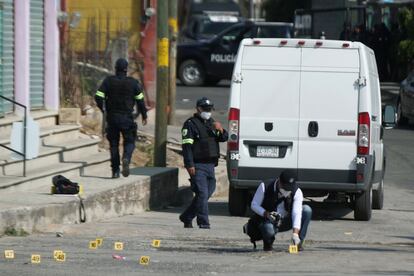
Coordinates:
column 124, row 18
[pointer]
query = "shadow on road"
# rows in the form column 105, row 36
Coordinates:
column 321, row 210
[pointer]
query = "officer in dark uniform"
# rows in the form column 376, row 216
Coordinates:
column 201, row 136
column 116, row 99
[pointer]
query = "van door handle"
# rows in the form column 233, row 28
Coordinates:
column 313, row 129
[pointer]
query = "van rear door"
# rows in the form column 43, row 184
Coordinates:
column 269, row 110
column 328, row 116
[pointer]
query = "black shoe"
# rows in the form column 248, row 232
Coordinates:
column 204, row 226
column 125, row 167
column 115, row 174
column 186, row 224
column 267, row 247
column 300, row 246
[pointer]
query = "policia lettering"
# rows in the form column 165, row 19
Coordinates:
column 200, row 138
column 116, row 98
column 220, row 58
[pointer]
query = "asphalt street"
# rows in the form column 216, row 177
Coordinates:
column 336, row 244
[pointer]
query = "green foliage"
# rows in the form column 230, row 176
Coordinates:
column 406, row 47
column 11, row 231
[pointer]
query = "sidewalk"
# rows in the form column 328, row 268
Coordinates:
column 31, row 207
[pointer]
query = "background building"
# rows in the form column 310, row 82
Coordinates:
column 29, row 47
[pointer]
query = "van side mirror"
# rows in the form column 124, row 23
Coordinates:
column 389, row 117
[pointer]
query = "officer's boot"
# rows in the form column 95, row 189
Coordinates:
column 125, row 167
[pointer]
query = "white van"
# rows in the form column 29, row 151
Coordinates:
column 312, row 106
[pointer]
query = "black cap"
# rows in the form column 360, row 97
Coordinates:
column 121, row 65
column 288, row 180
column 204, row 102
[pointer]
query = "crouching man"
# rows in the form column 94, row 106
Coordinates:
column 277, row 205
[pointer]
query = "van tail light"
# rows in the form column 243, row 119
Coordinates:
column 234, row 119
column 283, row 42
column 364, row 125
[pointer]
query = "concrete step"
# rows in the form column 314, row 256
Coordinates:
column 43, row 117
column 46, row 170
column 49, row 134
column 52, row 153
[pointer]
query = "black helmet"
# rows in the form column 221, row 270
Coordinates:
column 121, row 65
column 288, row 180
column 205, row 103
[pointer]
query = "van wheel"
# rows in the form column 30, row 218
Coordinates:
column 378, row 196
column 401, row 119
column 237, row 202
column 363, row 205
column 191, row 73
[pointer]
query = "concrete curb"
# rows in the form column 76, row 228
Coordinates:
column 155, row 190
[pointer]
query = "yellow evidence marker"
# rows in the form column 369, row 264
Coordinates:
column 9, row 254
column 156, row 243
column 144, row 260
column 56, row 253
column 93, row 245
column 99, row 241
column 118, row 246
column 35, row 259
column 293, row 249
column 61, row 257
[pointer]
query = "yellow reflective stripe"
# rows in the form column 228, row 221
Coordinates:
column 140, row 96
column 188, row 141
column 100, row 94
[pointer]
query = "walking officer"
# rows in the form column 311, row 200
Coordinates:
column 201, row 136
column 116, row 98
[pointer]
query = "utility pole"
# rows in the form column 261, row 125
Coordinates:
column 172, row 22
column 160, row 145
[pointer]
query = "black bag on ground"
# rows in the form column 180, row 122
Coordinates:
column 64, row 185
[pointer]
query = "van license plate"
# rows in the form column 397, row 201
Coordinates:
column 267, row 151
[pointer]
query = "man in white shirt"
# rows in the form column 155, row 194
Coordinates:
column 277, row 205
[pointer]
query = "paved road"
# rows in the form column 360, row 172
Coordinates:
column 188, row 96
column 336, row 243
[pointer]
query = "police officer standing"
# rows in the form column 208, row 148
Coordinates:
column 116, row 98
column 200, row 142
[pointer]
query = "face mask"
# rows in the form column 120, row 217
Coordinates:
column 284, row 193
column 205, row 115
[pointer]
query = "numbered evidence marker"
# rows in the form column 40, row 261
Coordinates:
column 156, row 243
column 56, row 253
column 35, row 259
column 118, row 246
column 59, row 256
column 144, row 260
column 9, row 254
column 93, row 245
column 99, row 241
column 293, row 249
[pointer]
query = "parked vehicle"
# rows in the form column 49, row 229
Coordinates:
column 207, row 25
column 312, row 106
column 405, row 102
column 209, row 61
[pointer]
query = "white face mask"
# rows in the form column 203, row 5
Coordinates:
column 205, row 115
column 284, row 193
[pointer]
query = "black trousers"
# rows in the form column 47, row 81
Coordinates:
column 120, row 124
